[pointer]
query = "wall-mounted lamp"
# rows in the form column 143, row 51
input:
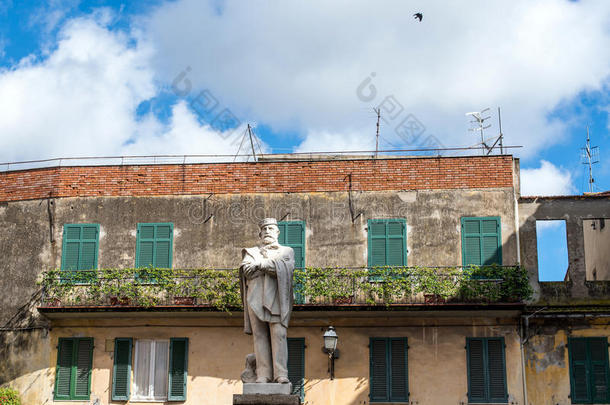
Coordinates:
column 330, row 348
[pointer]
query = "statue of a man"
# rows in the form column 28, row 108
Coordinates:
column 265, row 276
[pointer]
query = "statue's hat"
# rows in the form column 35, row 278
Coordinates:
column 267, row 221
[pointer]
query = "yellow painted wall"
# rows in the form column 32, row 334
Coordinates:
column 437, row 362
column 547, row 363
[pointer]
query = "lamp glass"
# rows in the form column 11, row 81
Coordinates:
column 330, row 339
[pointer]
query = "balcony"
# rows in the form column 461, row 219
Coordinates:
column 218, row 289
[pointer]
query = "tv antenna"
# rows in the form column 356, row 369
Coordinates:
column 479, row 122
column 378, row 112
column 589, row 156
column 248, row 133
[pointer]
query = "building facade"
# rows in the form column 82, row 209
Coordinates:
column 120, row 282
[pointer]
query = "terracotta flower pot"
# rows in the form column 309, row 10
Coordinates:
column 119, row 301
column 344, row 300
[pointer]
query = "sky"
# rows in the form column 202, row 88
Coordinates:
column 109, row 78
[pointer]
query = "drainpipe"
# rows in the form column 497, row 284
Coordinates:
column 522, row 340
column 517, row 228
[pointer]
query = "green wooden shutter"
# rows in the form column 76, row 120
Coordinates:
column 292, row 234
column 387, row 242
column 80, row 248
column 154, row 245
column 481, row 241
column 82, row 369
column 399, row 375
column 296, row 366
column 377, row 242
column 598, row 349
column 396, row 243
column 178, row 365
column 476, row 370
column 65, row 348
column 486, row 370
column 282, row 238
column 496, row 370
column 73, row 375
column 121, row 372
column 589, row 370
column 578, row 370
column 378, row 369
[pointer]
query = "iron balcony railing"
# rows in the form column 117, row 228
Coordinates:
column 219, row 288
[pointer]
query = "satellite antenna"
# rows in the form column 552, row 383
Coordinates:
column 589, row 156
column 479, row 121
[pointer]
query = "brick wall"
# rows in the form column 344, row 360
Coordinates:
column 264, row 177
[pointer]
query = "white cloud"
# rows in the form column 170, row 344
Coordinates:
column 297, row 65
column 82, row 100
column 546, row 180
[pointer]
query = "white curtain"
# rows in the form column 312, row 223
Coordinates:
column 161, row 361
column 150, row 373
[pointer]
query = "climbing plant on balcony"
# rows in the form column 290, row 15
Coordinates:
column 220, row 288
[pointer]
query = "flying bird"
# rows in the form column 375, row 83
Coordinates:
column 418, row 16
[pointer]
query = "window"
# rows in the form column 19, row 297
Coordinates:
column 159, row 370
column 589, row 370
column 552, row 249
column 154, row 245
column 73, row 373
column 150, row 370
column 296, row 366
column 389, row 377
column 387, row 242
column 486, row 370
column 481, row 241
column 292, row 234
column 79, row 248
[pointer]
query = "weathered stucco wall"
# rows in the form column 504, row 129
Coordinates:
column 547, row 361
column 573, row 210
column 216, row 358
column 34, row 237
column 597, row 248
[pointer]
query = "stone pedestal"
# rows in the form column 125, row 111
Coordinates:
column 266, row 394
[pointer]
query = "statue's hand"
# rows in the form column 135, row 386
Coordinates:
column 251, row 271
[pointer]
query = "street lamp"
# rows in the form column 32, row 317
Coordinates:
column 330, row 348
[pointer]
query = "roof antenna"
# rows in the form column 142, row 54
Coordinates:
column 253, row 138
column 479, row 121
column 378, row 111
column 251, row 142
column 589, row 156
column 499, row 139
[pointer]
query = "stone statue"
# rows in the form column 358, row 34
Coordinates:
column 265, row 278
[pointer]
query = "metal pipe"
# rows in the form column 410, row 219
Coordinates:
column 522, row 341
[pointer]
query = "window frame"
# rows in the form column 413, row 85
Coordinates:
column 75, row 277
column 154, row 239
column 486, row 367
column 303, row 245
column 298, row 298
column 151, row 372
column 498, row 220
column 388, row 365
column 588, row 366
column 301, row 390
column 73, row 369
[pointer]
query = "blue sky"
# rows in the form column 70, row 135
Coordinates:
column 83, row 78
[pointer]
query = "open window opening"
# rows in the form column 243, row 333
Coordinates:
column 596, row 233
column 551, row 238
